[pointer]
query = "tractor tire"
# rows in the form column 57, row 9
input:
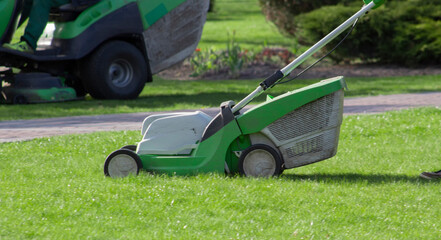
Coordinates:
column 19, row 99
column 116, row 70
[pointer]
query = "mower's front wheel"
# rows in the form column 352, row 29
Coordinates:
column 130, row 147
column 122, row 163
column 116, row 70
column 260, row 160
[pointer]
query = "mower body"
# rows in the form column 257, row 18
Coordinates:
column 299, row 127
column 25, row 89
column 108, row 48
column 294, row 129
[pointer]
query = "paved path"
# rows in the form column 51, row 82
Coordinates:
column 29, row 129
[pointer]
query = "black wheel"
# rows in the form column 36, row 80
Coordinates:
column 130, row 147
column 122, row 163
column 19, row 99
column 116, row 70
column 260, row 160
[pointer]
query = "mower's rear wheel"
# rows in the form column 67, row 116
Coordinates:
column 260, row 160
column 116, row 70
column 122, row 163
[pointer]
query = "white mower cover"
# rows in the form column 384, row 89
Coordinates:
column 172, row 133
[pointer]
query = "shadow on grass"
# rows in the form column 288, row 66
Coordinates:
column 358, row 178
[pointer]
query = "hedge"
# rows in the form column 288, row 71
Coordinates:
column 402, row 32
column 282, row 12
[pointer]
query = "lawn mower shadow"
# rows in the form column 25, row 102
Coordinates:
column 356, row 178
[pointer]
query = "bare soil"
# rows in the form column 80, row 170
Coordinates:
column 263, row 70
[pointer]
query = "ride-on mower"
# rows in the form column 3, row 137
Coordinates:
column 291, row 130
column 107, row 48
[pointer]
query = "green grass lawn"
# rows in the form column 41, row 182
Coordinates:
column 163, row 95
column 244, row 18
column 54, row 188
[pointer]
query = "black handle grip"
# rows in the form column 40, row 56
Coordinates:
column 271, row 80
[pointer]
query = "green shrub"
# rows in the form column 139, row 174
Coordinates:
column 416, row 43
column 282, row 12
column 211, row 6
column 314, row 25
column 403, row 32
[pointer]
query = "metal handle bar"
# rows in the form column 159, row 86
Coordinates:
column 279, row 75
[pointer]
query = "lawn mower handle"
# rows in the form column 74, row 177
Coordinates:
column 377, row 2
column 280, row 74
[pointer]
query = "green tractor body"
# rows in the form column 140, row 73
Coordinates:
column 107, row 48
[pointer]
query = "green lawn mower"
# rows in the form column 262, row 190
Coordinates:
column 107, row 48
column 291, row 130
